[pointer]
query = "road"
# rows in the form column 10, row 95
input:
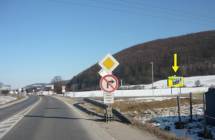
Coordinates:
column 54, row 120
column 13, row 109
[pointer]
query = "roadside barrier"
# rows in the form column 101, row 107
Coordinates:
column 116, row 112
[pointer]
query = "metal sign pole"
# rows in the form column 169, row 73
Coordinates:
column 108, row 113
column 204, row 111
column 108, row 100
column 191, row 108
column 108, row 83
column 179, row 111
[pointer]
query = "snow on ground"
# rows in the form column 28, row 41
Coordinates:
column 166, row 119
column 46, row 93
column 147, row 99
column 205, row 81
column 140, row 93
column 6, row 99
column 161, row 89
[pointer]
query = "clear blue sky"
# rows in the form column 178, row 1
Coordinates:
column 43, row 38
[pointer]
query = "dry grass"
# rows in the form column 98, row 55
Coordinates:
column 141, row 106
column 93, row 108
column 126, row 106
column 19, row 97
column 157, row 131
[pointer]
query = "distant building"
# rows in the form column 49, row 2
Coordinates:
column 210, row 106
column 37, row 87
column 5, row 89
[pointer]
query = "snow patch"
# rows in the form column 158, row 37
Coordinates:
column 161, row 89
column 6, row 99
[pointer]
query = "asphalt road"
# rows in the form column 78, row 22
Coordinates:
column 53, row 120
column 15, row 108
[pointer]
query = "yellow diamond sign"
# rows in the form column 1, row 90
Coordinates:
column 108, row 63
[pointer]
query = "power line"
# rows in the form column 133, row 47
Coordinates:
column 169, row 12
column 139, row 3
column 126, row 9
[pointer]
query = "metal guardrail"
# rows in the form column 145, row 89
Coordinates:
column 116, row 112
column 122, row 117
column 96, row 103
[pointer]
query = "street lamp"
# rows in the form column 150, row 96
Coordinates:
column 152, row 63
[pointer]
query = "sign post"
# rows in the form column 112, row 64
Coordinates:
column 108, row 98
column 108, row 83
column 63, row 90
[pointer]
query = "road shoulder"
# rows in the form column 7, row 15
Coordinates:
column 14, row 102
column 116, row 130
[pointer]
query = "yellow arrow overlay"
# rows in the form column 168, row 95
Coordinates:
column 175, row 67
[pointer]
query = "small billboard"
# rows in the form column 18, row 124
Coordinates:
column 175, row 82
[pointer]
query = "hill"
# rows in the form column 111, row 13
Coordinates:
column 196, row 54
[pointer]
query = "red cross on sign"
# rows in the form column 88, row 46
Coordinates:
column 109, row 83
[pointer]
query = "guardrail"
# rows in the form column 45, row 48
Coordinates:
column 116, row 112
column 96, row 103
column 122, row 117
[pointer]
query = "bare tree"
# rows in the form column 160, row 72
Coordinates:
column 1, row 84
column 58, row 83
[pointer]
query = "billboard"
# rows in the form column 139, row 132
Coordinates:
column 175, row 82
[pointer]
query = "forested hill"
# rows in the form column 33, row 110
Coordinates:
column 196, row 56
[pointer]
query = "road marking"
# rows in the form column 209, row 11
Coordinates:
column 8, row 124
column 4, row 126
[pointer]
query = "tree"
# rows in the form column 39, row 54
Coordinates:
column 58, row 83
column 1, row 84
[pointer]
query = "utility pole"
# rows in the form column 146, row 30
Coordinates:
column 152, row 63
column 121, row 83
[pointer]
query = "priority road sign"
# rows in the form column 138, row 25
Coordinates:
column 109, row 83
column 109, row 63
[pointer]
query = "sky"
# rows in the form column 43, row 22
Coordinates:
column 40, row 39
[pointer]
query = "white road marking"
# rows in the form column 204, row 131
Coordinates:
column 8, row 124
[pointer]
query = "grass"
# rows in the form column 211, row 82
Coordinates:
column 126, row 106
column 165, row 135
column 141, row 106
column 93, row 108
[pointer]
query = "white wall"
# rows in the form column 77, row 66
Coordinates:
column 138, row 93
